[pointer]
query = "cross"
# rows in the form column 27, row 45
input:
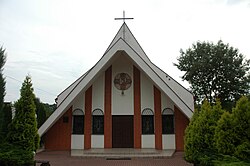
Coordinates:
column 124, row 18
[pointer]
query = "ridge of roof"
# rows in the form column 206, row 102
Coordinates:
column 171, row 78
column 129, row 38
column 84, row 75
column 161, row 77
column 71, row 85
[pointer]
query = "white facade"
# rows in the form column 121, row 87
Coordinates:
column 147, row 93
column 148, row 141
column 122, row 104
column 168, row 141
column 98, row 94
column 77, row 141
column 97, row 141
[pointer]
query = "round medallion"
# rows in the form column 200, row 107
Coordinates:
column 122, row 81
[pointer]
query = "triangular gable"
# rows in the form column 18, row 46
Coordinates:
column 125, row 33
column 159, row 81
column 142, row 62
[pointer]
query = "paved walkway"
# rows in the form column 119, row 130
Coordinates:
column 63, row 158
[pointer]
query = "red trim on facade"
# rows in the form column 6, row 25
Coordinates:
column 87, row 118
column 107, row 109
column 158, row 119
column 137, row 108
column 181, row 122
column 58, row 137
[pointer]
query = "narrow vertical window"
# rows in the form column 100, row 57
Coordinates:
column 167, row 121
column 147, row 121
column 98, row 122
column 78, row 122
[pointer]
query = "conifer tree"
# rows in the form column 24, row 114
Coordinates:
column 23, row 129
column 7, row 117
column 232, row 133
column 2, row 93
column 199, row 136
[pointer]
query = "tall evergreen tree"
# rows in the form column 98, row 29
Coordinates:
column 23, row 129
column 2, row 93
column 7, row 117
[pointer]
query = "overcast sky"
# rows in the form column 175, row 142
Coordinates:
column 56, row 41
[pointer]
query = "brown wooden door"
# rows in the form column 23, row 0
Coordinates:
column 122, row 131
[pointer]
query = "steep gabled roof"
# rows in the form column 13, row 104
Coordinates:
column 125, row 33
column 124, row 41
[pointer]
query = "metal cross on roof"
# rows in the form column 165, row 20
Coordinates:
column 124, row 18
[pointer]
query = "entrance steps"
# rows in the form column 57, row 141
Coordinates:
column 122, row 153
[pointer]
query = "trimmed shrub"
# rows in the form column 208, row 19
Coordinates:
column 232, row 134
column 199, row 135
column 15, row 156
column 225, row 134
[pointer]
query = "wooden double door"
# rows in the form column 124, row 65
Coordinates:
column 122, row 131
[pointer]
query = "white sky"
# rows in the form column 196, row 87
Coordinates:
column 56, row 41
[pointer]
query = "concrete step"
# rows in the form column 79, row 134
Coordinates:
column 122, row 153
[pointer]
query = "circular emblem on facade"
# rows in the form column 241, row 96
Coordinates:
column 122, row 81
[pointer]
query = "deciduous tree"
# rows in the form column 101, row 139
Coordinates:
column 215, row 71
column 40, row 112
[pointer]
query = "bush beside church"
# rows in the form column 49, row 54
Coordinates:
column 216, row 137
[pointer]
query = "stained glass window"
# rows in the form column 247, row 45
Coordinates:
column 167, row 121
column 78, row 122
column 147, row 121
column 97, row 122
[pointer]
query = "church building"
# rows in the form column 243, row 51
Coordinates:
column 123, row 101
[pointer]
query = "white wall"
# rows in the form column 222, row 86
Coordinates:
column 77, row 141
column 166, row 102
column 148, row 141
column 79, row 102
column 147, row 93
column 97, row 141
column 168, row 141
column 122, row 104
column 147, row 101
column 98, row 93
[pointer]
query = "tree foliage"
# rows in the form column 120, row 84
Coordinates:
column 40, row 112
column 215, row 71
column 12, row 155
column 23, row 129
column 6, row 120
column 49, row 108
column 215, row 136
column 2, row 92
column 233, row 131
column 199, row 135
